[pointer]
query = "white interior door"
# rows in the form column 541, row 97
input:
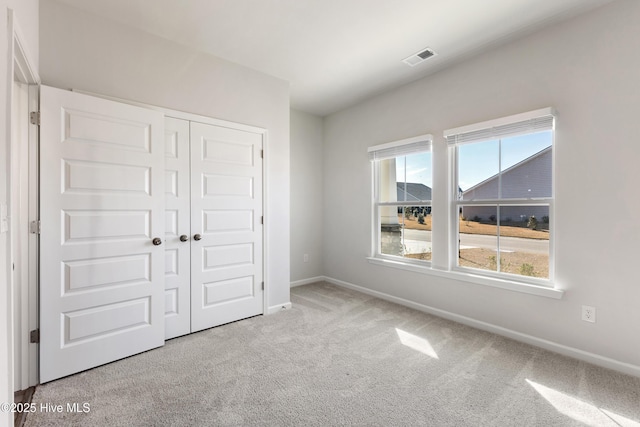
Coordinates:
column 102, row 292
column 226, row 225
column 177, row 282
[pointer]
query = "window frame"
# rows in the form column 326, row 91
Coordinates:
column 400, row 148
column 498, row 129
column 445, row 249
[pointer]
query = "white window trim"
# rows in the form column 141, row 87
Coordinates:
column 391, row 150
column 427, row 138
column 497, row 123
column 534, row 118
column 464, row 276
column 537, row 287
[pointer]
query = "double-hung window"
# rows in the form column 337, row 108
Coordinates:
column 502, row 197
column 402, row 181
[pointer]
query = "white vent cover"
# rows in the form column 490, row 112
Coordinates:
column 419, row 57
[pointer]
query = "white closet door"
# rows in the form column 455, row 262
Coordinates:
column 177, row 282
column 226, row 225
column 102, row 204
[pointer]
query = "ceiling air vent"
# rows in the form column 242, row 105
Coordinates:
column 417, row 58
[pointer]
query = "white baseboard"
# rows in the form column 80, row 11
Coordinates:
column 593, row 358
column 277, row 308
column 307, row 281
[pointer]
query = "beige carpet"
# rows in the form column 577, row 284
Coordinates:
column 343, row 358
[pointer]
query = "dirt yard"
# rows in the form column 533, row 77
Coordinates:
column 525, row 264
column 472, row 227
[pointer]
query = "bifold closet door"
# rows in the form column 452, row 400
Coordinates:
column 226, row 225
column 101, row 256
column 177, row 281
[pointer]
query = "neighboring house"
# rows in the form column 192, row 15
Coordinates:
column 529, row 178
column 408, row 191
column 413, row 191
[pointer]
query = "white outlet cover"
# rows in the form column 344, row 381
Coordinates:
column 589, row 313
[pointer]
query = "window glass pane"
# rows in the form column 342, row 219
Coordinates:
column 400, row 179
column 416, row 233
column 478, row 237
column 387, row 191
column 405, row 231
column 406, row 178
column 524, row 240
column 526, row 166
column 478, row 167
column 415, row 182
column 391, row 220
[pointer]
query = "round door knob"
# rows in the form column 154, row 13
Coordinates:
column 157, row 241
column 197, row 237
column 184, row 238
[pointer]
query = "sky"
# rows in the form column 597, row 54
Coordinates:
column 477, row 162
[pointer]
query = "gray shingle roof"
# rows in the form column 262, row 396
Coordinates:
column 410, row 191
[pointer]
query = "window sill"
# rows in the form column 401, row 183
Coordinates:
column 509, row 285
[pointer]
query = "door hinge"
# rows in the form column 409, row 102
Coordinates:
column 34, row 227
column 262, row 154
column 34, row 336
column 34, row 118
column 262, row 220
column 263, row 286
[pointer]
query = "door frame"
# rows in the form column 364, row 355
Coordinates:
column 266, row 309
column 24, row 303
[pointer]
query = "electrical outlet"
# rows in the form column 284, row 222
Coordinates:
column 305, row 257
column 589, row 314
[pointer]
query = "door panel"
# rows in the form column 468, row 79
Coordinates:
column 102, row 203
column 226, row 210
column 177, row 223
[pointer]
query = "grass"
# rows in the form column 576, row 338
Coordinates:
column 490, row 229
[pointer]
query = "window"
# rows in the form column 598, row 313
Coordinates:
column 402, row 180
column 502, row 205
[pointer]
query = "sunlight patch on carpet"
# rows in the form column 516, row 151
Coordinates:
column 417, row 343
column 580, row 410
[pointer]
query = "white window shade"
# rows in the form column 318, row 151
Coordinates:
column 419, row 144
column 519, row 124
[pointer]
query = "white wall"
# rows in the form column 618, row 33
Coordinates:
column 6, row 325
column 83, row 51
column 306, row 196
column 586, row 68
column 26, row 14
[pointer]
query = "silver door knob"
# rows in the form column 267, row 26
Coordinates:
column 157, row 241
column 197, row 237
column 184, row 238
